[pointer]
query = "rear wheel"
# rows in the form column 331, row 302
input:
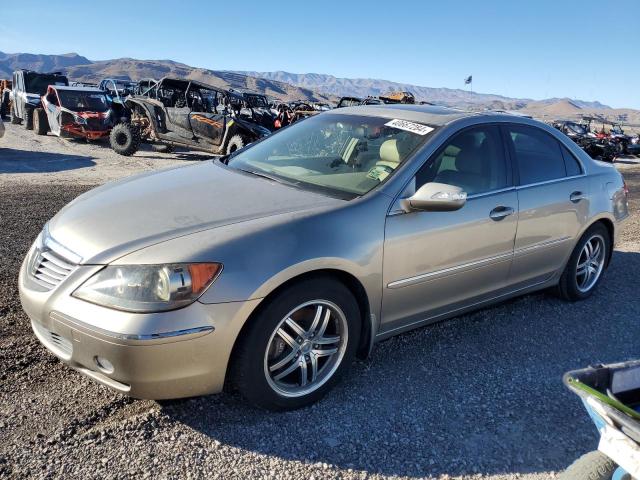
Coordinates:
column 125, row 139
column 40, row 122
column 28, row 118
column 235, row 143
column 298, row 346
column 591, row 466
column 586, row 264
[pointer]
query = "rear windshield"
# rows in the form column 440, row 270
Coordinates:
column 256, row 101
column 38, row 83
column 78, row 101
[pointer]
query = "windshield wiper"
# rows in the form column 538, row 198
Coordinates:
column 268, row 177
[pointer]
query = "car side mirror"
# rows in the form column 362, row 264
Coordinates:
column 435, row 197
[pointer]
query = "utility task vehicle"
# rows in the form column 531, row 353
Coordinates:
column 611, row 395
column 255, row 107
column 349, row 102
column 5, row 97
column 28, row 87
column 398, row 97
column 184, row 113
column 597, row 148
column 82, row 112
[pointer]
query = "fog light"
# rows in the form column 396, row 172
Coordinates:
column 103, row 364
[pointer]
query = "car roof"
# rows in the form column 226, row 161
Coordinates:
column 429, row 114
column 78, row 89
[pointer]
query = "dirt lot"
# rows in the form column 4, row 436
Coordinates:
column 476, row 397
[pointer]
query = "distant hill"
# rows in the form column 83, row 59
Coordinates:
column 307, row 86
column 81, row 69
column 362, row 87
column 547, row 109
column 41, row 63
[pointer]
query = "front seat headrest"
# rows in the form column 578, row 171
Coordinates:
column 389, row 152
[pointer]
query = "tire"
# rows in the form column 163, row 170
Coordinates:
column 15, row 120
column 235, row 143
column 28, row 118
column 40, row 122
column 254, row 357
column 125, row 139
column 574, row 287
column 591, row 466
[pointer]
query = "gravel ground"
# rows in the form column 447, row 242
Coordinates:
column 479, row 396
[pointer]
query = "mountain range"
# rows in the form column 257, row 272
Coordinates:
column 362, row 87
column 311, row 87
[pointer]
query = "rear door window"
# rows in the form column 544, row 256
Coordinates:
column 538, row 154
column 570, row 162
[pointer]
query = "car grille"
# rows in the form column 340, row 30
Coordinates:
column 53, row 341
column 48, row 268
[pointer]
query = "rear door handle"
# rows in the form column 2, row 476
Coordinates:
column 500, row 212
column 575, row 197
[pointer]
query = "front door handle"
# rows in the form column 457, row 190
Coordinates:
column 575, row 197
column 500, row 212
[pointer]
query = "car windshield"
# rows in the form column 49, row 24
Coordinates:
column 257, row 101
column 347, row 155
column 578, row 129
column 349, row 102
column 77, row 100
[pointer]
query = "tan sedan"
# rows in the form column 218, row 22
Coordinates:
column 270, row 270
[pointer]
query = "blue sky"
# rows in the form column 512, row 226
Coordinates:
column 587, row 49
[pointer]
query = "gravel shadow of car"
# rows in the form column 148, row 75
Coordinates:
column 25, row 161
column 481, row 393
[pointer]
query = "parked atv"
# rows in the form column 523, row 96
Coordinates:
column 597, row 148
column 80, row 112
column 184, row 113
column 117, row 91
column 619, row 139
column 349, row 102
column 28, row 88
column 251, row 106
column 611, row 395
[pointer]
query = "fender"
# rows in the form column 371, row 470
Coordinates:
column 147, row 105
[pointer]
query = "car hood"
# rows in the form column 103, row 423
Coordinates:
column 119, row 218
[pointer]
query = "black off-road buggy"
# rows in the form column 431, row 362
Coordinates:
column 184, row 113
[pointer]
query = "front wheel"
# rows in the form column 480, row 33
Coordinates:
column 125, row 139
column 586, row 265
column 298, row 346
column 591, row 466
column 40, row 122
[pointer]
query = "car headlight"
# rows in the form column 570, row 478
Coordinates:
column 148, row 288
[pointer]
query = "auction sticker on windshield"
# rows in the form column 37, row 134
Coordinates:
column 409, row 126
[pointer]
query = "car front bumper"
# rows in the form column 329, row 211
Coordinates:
column 180, row 353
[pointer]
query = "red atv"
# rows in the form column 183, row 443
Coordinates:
column 81, row 112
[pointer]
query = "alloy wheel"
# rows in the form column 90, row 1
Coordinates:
column 590, row 263
column 306, row 348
